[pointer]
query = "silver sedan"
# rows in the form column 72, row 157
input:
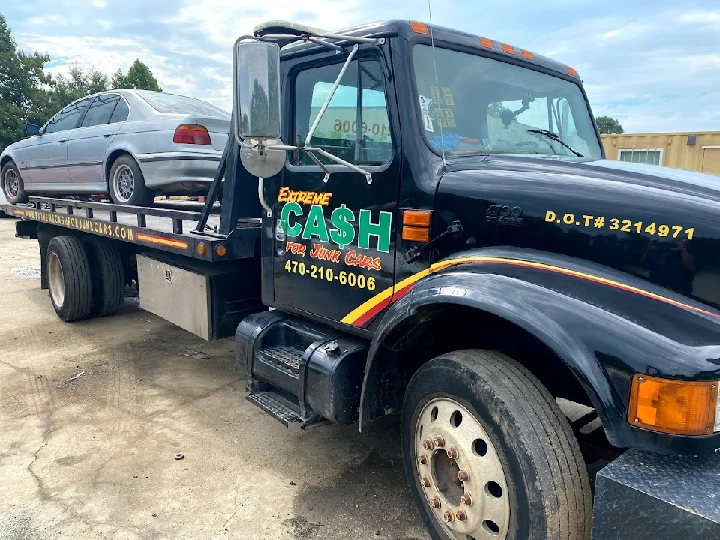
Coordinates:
column 128, row 144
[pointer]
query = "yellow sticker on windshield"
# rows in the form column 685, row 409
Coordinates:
column 435, row 95
column 450, row 118
column 447, row 94
column 440, row 116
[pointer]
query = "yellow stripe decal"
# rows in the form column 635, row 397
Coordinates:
column 366, row 311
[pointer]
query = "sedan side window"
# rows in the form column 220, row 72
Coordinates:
column 120, row 113
column 68, row 117
column 100, row 110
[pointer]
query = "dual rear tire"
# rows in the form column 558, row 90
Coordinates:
column 85, row 277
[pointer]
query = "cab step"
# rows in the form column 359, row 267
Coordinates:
column 283, row 410
column 310, row 369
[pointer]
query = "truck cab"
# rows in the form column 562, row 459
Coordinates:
column 444, row 220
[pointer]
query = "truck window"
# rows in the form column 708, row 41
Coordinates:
column 485, row 105
column 362, row 138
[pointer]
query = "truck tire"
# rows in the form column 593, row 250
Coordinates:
column 12, row 184
column 107, row 274
column 126, row 183
column 508, row 465
column 69, row 278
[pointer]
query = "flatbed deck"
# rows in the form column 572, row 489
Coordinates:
column 162, row 227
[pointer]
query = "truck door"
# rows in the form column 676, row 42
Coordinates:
column 335, row 241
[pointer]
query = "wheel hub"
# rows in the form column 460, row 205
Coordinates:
column 124, row 182
column 460, row 472
column 56, row 281
column 12, row 183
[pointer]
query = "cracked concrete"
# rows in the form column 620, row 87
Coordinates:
column 93, row 457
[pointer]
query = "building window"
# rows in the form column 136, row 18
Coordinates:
column 651, row 156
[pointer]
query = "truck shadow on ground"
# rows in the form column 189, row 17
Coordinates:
column 370, row 499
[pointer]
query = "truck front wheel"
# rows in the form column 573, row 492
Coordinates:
column 489, row 454
column 69, row 278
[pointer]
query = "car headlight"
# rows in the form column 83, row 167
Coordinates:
column 677, row 407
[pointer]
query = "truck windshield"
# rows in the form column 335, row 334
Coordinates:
column 486, row 105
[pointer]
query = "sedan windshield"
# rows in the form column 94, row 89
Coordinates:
column 485, row 105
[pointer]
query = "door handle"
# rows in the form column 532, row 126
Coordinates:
column 107, row 134
column 62, row 140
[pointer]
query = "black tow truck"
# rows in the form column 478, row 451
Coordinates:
column 420, row 221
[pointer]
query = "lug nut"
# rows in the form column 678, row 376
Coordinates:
column 461, row 515
column 449, row 516
column 452, row 453
column 423, row 460
column 435, row 503
column 466, row 499
column 439, row 441
column 428, row 444
column 463, row 475
column 426, row 482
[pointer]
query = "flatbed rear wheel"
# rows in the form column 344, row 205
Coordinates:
column 107, row 274
column 69, row 278
column 489, row 454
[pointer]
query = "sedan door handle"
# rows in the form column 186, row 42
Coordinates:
column 107, row 134
column 62, row 140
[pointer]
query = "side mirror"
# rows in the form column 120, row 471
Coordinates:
column 256, row 90
column 32, row 129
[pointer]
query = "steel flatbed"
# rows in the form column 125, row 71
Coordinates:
column 164, row 229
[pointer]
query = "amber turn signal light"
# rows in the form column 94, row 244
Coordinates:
column 677, row 407
column 416, row 234
column 417, row 218
column 419, row 28
column 220, row 250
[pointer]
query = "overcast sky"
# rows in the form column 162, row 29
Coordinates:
column 653, row 64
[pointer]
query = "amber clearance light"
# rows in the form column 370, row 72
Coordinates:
column 677, row 407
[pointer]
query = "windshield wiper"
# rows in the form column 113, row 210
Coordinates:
column 554, row 137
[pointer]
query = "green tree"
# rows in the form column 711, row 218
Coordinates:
column 77, row 84
column 138, row 76
column 606, row 124
column 22, row 88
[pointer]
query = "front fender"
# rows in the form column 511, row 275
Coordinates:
column 605, row 325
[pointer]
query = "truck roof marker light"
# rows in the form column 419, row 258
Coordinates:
column 675, row 407
column 572, row 71
column 508, row 48
column 417, row 218
column 487, row 43
column 527, row 55
column 420, row 28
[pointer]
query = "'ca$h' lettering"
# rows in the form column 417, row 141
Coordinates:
column 342, row 230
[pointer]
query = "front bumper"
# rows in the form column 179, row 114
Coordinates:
column 179, row 172
column 642, row 495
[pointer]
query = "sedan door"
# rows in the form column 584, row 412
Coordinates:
column 89, row 142
column 46, row 159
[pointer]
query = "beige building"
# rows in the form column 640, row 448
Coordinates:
column 699, row 151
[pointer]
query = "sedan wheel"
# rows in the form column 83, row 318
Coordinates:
column 12, row 183
column 124, row 183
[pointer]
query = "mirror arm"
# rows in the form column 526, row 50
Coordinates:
column 330, row 95
column 261, row 196
column 339, row 161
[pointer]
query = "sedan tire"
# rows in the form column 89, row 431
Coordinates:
column 12, row 184
column 127, row 184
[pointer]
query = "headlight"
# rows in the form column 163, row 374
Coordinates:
column 677, row 407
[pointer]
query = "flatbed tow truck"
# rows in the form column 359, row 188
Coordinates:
column 443, row 240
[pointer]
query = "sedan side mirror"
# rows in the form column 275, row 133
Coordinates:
column 32, row 129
